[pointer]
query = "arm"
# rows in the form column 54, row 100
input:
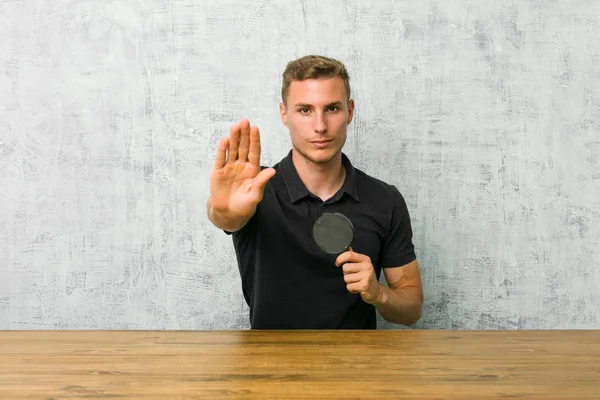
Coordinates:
column 402, row 301
column 224, row 221
column 399, row 303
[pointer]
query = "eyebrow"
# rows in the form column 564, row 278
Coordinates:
column 305, row 105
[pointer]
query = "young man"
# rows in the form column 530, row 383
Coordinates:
column 287, row 281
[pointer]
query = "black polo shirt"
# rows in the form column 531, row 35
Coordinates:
column 287, row 281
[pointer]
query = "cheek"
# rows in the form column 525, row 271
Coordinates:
column 294, row 135
column 341, row 120
column 297, row 125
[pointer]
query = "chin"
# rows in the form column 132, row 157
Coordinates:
column 319, row 156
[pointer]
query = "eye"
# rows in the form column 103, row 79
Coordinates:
column 303, row 110
column 333, row 108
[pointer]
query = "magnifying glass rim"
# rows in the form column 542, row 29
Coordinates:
column 335, row 214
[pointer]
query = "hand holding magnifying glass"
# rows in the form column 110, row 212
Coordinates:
column 333, row 233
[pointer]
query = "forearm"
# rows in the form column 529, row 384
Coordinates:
column 402, row 306
column 224, row 221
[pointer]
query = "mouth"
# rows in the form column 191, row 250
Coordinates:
column 320, row 143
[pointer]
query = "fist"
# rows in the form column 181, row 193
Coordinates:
column 359, row 275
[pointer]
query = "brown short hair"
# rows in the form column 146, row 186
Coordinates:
column 313, row 67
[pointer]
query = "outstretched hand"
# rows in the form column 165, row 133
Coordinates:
column 236, row 182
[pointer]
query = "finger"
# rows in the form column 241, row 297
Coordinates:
column 220, row 159
column 234, row 138
column 354, row 287
column 350, row 256
column 353, row 278
column 358, row 256
column 254, row 148
column 244, row 141
column 352, row 268
column 260, row 181
column 345, row 257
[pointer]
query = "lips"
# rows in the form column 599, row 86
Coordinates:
column 321, row 144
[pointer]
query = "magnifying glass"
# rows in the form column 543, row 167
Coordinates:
column 333, row 233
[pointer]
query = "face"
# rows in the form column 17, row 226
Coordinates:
column 317, row 114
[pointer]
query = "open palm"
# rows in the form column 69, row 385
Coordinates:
column 236, row 183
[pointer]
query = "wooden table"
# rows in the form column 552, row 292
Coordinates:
column 299, row 365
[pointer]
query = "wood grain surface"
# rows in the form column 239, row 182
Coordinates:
column 299, row 364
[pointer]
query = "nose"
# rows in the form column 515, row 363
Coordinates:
column 320, row 126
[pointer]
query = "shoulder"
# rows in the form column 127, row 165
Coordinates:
column 376, row 190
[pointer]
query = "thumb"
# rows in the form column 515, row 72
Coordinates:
column 260, row 181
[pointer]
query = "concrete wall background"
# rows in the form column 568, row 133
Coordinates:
column 485, row 114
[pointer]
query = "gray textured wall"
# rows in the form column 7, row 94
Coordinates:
column 485, row 114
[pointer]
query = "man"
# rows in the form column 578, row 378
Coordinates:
column 287, row 281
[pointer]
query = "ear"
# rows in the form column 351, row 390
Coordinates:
column 283, row 113
column 350, row 110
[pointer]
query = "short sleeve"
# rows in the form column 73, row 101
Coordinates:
column 398, row 248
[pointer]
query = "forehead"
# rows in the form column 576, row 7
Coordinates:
column 316, row 91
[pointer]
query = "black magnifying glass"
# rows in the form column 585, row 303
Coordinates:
column 333, row 233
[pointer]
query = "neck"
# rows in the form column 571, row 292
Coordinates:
column 321, row 179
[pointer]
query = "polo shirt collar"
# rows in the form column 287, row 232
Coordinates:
column 296, row 188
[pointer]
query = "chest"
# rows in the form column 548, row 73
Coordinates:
column 290, row 224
